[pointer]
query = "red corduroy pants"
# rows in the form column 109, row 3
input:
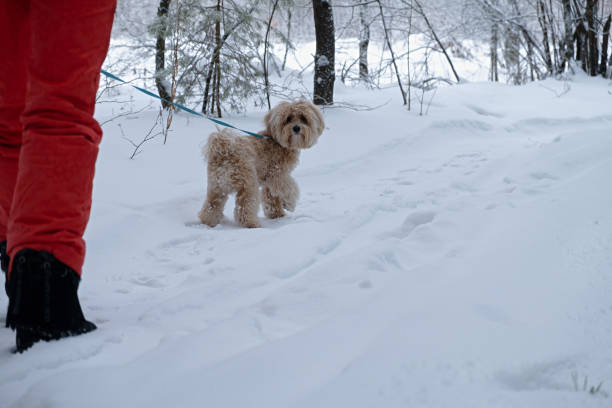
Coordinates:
column 51, row 52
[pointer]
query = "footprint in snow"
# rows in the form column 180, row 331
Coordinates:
column 484, row 112
column 148, row 282
column 329, row 246
column 413, row 221
column 463, row 187
column 492, row 313
column 546, row 375
column 366, row 284
column 542, row 175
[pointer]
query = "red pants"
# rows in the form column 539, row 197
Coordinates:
column 51, row 53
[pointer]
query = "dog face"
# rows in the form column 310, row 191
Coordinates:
column 295, row 125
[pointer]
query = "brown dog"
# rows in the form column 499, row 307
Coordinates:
column 239, row 164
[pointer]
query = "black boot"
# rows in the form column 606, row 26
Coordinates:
column 4, row 264
column 43, row 301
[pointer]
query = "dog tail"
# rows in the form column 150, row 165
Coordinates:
column 220, row 143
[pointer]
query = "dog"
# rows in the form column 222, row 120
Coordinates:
column 244, row 164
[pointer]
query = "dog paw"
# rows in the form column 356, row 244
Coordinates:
column 250, row 223
column 273, row 209
column 274, row 213
column 212, row 220
column 289, row 205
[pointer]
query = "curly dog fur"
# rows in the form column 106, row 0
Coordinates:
column 242, row 165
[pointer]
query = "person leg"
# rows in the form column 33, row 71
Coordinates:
column 14, row 28
column 52, row 197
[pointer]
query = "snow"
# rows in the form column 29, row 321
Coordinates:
column 457, row 259
column 322, row 61
column 475, row 68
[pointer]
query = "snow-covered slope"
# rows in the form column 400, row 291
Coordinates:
column 459, row 259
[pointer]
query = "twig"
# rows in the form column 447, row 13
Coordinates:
column 148, row 136
column 566, row 89
column 357, row 108
column 175, row 65
column 433, row 32
column 399, row 81
column 430, row 101
column 121, row 115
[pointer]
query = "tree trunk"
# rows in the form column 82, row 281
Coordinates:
column 364, row 41
column 494, row 74
column 408, row 50
column 494, row 43
column 325, row 75
column 160, row 52
column 287, row 45
column 214, row 66
column 557, row 44
column 213, row 78
column 581, row 43
column 531, row 62
column 512, row 55
column 218, row 90
column 593, row 54
column 603, row 67
column 569, row 30
column 217, row 64
column 545, row 37
column 265, row 56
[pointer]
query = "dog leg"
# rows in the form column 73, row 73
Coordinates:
column 272, row 206
column 287, row 191
column 291, row 193
column 247, row 203
column 211, row 213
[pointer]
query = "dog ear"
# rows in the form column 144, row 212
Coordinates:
column 274, row 119
column 319, row 124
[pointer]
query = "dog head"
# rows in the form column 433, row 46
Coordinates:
column 295, row 125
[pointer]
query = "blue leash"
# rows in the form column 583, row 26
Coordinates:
column 217, row 121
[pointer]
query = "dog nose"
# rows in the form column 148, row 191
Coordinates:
column 296, row 128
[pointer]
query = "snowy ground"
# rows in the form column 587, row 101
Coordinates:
column 459, row 259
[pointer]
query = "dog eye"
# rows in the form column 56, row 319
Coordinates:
column 303, row 119
column 289, row 119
